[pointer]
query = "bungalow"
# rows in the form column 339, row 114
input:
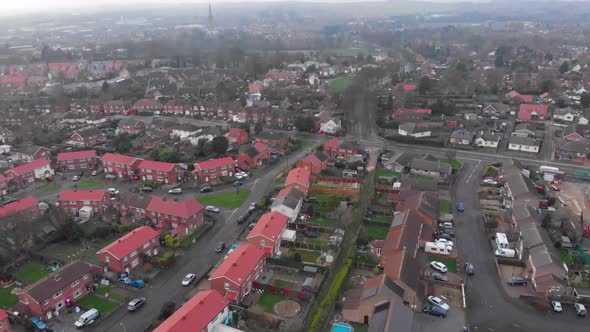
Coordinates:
column 487, row 139
column 237, row 136
column 576, row 132
column 72, row 201
column 131, row 126
column 253, row 156
column 120, row 165
column 158, row 171
column 524, row 130
column 78, row 160
column 27, row 208
column 336, row 149
column 533, row 112
column 462, row 137
column 524, row 144
column 277, row 143
column 86, row 137
column 564, row 114
column 48, row 295
column 203, row 312
column 496, row 109
column 314, row 162
column 412, row 113
column 434, row 169
column 288, row 202
column 517, row 97
column 209, row 171
column 574, row 150
column 399, row 162
column 179, row 217
column 266, row 235
column 148, row 105
column 545, row 269
column 415, row 130
column 26, row 174
column 124, row 254
column 4, row 323
column 298, row 178
column 235, row 275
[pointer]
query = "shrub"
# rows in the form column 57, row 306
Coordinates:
column 118, row 228
column 171, row 242
column 330, row 298
column 167, row 259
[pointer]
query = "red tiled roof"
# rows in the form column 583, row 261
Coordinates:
column 333, row 143
column 261, row 146
column 214, row 163
column 239, row 264
column 119, row 159
column 20, row 205
column 130, row 241
column 181, row 209
column 29, row 167
column 13, row 80
column 76, row 155
column 284, row 192
column 312, row 159
column 3, row 315
column 3, row 178
column 81, row 195
column 526, row 111
column 195, row 314
column 270, row 225
column 156, row 165
column 235, row 132
column 298, row 175
column 409, row 87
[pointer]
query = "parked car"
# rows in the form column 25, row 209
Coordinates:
column 38, row 323
column 556, row 305
column 137, row 283
column 242, row 219
column 147, row 189
column 443, row 236
column 438, row 302
column 175, row 191
column 206, row 189
column 311, row 233
column 435, row 311
column 439, row 266
column 253, row 206
column 220, row 247
column 490, row 180
column 580, row 309
column 469, row 269
column 96, row 172
column 460, row 207
column 110, row 177
column 75, row 178
column 517, row 281
column 437, row 276
column 238, row 183
column 212, row 208
column 444, row 241
column 239, row 176
column 136, row 303
column 188, row 279
column 508, row 253
column 251, row 226
column 113, row 191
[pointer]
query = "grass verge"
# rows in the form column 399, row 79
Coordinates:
column 30, row 273
column 445, row 207
column 89, row 184
column 454, row 163
column 230, row 199
column 376, row 232
column 93, row 301
column 380, row 172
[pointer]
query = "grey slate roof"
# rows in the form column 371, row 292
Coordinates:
column 431, row 166
column 524, row 141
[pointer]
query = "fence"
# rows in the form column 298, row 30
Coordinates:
column 302, row 245
column 334, row 191
column 339, row 180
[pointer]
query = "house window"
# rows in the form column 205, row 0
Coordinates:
column 46, row 302
column 77, row 293
column 83, row 166
column 58, row 294
column 226, row 286
column 133, row 253
column 85, row 277
column 147, row 244
column 124, row 259
column 262, row 243
column 75, row 283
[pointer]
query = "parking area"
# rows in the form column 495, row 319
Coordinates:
column 455, row 321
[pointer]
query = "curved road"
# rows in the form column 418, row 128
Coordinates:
column 488, row 306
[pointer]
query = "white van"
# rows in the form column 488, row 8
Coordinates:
column 580, row 309
column 87, row 318
column 508, row 253
column 438, row 248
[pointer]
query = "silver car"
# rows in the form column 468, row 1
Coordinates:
column 136, row 303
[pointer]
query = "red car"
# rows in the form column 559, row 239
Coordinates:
column 136, row 177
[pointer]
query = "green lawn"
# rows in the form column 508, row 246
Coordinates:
column 268, row 300
column 451, row 264
column 340, row 84
column 386, row 173
column 283, row 283
column 376, row 232
column 30, row 273
column 445, row 207
column 229, row 199
column 93, row 301
column 322, row 222
column 385, row 220
column 89, row 184
column 454, row 163
column 307, row 255
column 7, row 300
column 50, row 188
column 102, row 290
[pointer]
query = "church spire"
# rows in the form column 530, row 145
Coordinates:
column 210, row 22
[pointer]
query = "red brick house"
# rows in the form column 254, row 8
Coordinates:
column 3, row 185
column 78, row 160
column 314, row 162
column 27, row 173
column 7, row 135
column 86, row 137
column 176, row 107
column 209, row 171
column 4, row 324
column 44, row 297
column 277, row 143
column 201, row 313
column 29, row 153
column 233, row 278
column 147, row 105
column 533, row 112
column 266, row 235
column 132, row 207
column 253, row 156
column 131, row 126
column 336, row 149
column 298, row 178
column 123, row 254
column 27, row 208
column 72, row 201
column 237, row 136
column 158, row 171
column 120, row 165
column 180, row 218
column 115, row 107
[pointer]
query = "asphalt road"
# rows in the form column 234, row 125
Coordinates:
column 198, row 260
column 488, row 306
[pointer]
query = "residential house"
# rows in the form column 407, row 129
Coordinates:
column 337, row 149
column 159, row 171
column 184, row 131
column 44, row 297
column 288, row 202
column 487, row 139
column 314, row 162
column 86, row 137
column 577, row 151
column 524, row 130
column 176, row 107
column 430, row 168
column 3, row 185
column 298, row 178
column 517, row 97
column 462, row 137
column 76, row 161
column 4, row 323
column 331, row 126
column 524, row 144
column 564, row 114
column 576, row 132
column 237, row 136
column 148, row 105
column 407, row 113
column 520, row 191
column 234, row 277
column 7, row 136
column 203, row 312
column 180, row 218
column 124, row 253
column 399, row 162
column 29, row 153
column 131, row 126
column 120, row 165
column 253, row 156
column 415, row 130
column 26, row 208
column 267, row 233
column 72, row 201
column 496, row 109
column 115, row 107
column 277, row 143
column 26, row 174
column 545, row 269
column 209, row 171
column 132, row 207
column 533, row 112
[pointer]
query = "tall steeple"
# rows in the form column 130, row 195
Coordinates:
column 210, row 22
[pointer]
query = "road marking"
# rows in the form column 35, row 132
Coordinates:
column 254, row 185
column 475, row 169
column 231, row 215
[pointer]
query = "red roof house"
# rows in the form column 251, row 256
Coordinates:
column 209, row 171
column 417, row 112
column 337, row 149
column 147, row 105
column 266, row 235
column 409, row 87
column 27, row 173
column 78, row 160
column 13, row 81
column 120, row 165
column 314, row 162
column 233, row 278
column 298, row 178
column 158, row 171
column 73, row 200
column 179, row 217
column 237, row 136
column 201, row 313
column 123, row 254
column 4, row 324
column 27, row 207
column 253, row 156
column 532, row 112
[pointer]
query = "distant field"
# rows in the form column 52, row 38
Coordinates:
column 340, row 84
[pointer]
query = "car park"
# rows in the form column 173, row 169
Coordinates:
column 188, row 279
column 435, row 311
column 206, row 189
column 556, row 306
column 136, row 303
column 580, row 309
column 437, row 276
column 469, row 269
column 220, row 247
column 437, row 301
column 460, row 207
column 439, row 266
column 175, row 191
column 211, row 208
column 517, row 281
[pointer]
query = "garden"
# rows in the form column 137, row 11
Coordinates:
column 454, row 163
column 231, row 199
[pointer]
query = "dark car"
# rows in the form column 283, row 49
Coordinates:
column 220, row 247
column 517, row 281
column 206, row 189
column 469, row 269
column 311, row 233
column 444, row 236
column 437, row 276
column 460, row 207
column 135, row 304
column 435, row 311
column 146, row 189
column 242, row 219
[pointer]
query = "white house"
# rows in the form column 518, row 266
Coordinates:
column 332, row 126
column 288, row 202
column 5, row 148
column 414, row 130
column 525, row 144
column 184, row 131
column 564, row 114
column 487, row 140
